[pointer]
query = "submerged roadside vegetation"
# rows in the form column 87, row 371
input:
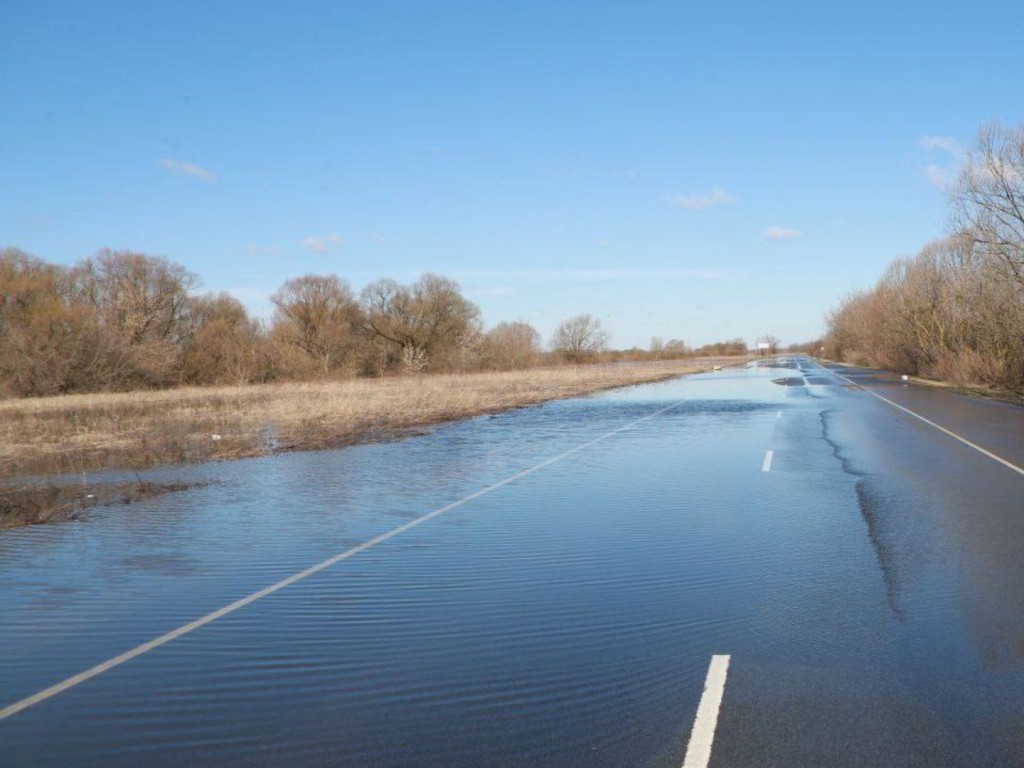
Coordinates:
column 116, row 362
column 73, row 435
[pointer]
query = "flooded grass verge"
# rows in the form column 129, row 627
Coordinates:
column 76, row 433
column 53, row 502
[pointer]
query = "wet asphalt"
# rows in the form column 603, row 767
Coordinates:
column 867, row 582
column 941, row 684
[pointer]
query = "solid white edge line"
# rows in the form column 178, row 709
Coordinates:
column 930, row 423
column 702, row 737
column 767, row 466
column 81, row 677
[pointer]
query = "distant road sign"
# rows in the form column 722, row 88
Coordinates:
column 763, row 345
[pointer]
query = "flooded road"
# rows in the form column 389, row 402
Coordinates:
column 865, row 577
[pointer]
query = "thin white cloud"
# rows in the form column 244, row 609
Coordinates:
column 937, row 177
column 188, row 169
column 607, row 245
column 702, row 200
column 782, row 233
column 943, row 143
column 322, row 243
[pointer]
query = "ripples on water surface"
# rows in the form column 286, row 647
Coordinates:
column 565, row 619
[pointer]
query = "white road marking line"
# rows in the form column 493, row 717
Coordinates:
column 81, row 677
column 698, row 753
column 767, row 466
column 931, row 423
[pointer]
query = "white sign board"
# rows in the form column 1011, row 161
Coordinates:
column 763, row 345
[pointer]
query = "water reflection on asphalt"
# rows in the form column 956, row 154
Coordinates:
column 564, row 619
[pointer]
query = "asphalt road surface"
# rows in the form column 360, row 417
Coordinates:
column 784, row 565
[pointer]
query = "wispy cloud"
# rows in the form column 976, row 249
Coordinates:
column 782, row 233
column 702, row 200
column 937, row 177
column 607, row 245
column 943, row 143
column 188, row 169
column 322, row 243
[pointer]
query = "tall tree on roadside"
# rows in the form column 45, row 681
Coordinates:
column 988, row 198
column 580, row 338
column 221, row 343
column 140, row 301
column 318, row 315
column 425, row 323
column 138, row 296
column 50, row 343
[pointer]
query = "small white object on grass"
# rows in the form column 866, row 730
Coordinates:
column 905, row 377
column 215, row 437
column 716, row 368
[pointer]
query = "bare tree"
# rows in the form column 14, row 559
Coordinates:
column 675, row 348
column 656, row 347
column 222, row 345
column 580, row 338
column 949, row 312
column 988, row 198
column 771, row 341
column 318, row 315
column 35, row 340
column 140, row 297
column 140, row 302
column 730, row 347
column 509, row 346
column 424, row 322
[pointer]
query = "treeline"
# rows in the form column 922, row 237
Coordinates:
column 123, row 321
column 955, row 310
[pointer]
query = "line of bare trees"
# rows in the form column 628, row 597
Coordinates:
column 124, row 320
column 955, row 310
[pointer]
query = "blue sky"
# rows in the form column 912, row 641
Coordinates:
column 690, row 170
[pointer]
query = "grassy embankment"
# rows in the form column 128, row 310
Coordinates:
column 80, row 433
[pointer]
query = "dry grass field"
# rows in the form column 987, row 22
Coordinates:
column 76, row 433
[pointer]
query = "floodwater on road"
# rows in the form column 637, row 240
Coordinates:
column 566, row 618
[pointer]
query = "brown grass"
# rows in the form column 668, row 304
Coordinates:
column 74, row 433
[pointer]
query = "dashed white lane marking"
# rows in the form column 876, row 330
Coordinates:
column 702, row 737
column 174, row 634
column 931, row 423
column 767, row 466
